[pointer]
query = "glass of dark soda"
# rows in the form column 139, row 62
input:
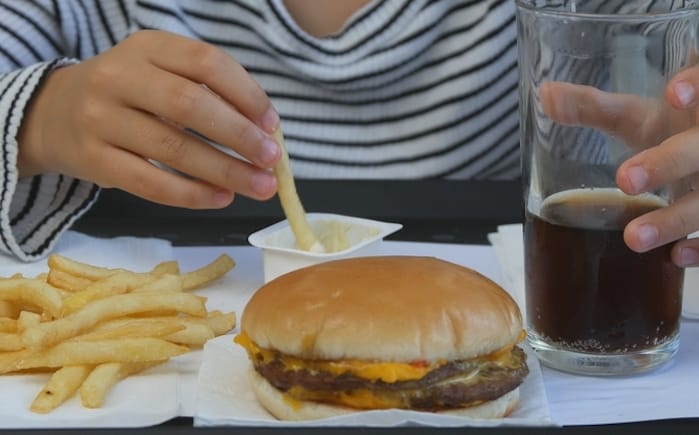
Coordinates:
column 587, row 70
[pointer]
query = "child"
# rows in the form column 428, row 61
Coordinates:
column 92, row 93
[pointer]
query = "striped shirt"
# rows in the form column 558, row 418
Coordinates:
column 407, row 89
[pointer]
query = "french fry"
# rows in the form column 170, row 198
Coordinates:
column 221, row 323
column 92, row 326
column 78, row 268
column 100, row 381
column 33, row 292
column 143, row 323
column 162, row 283
column 207, row 274
column 117, row 283
column 26, row 320
column 49, row 333
column 75, row 352
column 335, row 239
column 291, row 203
column 133, row 328
column 193, row 334
column 193, row 331
column 94, row 273
column 159, row 330
column 9, row 309
column 10, row 341
column 8, row 324
column 165, row 268
column 61, row 386
column 66, row 281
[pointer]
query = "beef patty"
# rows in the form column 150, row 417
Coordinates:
column 456, row 384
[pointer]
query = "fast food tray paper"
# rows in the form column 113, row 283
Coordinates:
column 225, row 398
column 141, row 400
column 146, row 399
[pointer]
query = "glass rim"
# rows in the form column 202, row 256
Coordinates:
column 547, row 10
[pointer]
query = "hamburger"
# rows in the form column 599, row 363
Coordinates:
column 400, row 332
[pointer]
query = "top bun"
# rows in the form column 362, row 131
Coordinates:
column 399, row 308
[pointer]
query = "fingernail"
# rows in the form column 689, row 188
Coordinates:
column 685, row 93
column 638, row 177
column 269, row 151
column 263, row 184
column 270, row 120
column 689, row 257
column 222, row 198
column 647, row 235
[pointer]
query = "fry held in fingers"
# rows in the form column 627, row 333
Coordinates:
column 291, row 203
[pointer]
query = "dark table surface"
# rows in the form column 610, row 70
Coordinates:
column 431, row 211
column 438, row 211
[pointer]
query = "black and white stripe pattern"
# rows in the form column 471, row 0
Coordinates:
column 408, row 89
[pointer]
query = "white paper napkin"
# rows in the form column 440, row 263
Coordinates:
column 508, row 244
column 225, row 398
column 690, row 294
column 133, row 253
column 141, row 400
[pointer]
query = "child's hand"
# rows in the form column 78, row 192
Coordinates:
column 106, row 119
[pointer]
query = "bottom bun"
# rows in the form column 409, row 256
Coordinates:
column 284, row 409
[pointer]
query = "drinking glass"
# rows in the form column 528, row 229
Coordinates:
column 592, row 83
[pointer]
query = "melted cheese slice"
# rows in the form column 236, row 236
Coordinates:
column 370, row 370
column 359, row 399
column 362, row 398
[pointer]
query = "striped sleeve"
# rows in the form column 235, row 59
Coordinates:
column 34, row 211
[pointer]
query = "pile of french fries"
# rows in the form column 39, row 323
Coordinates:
column 92, row 326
